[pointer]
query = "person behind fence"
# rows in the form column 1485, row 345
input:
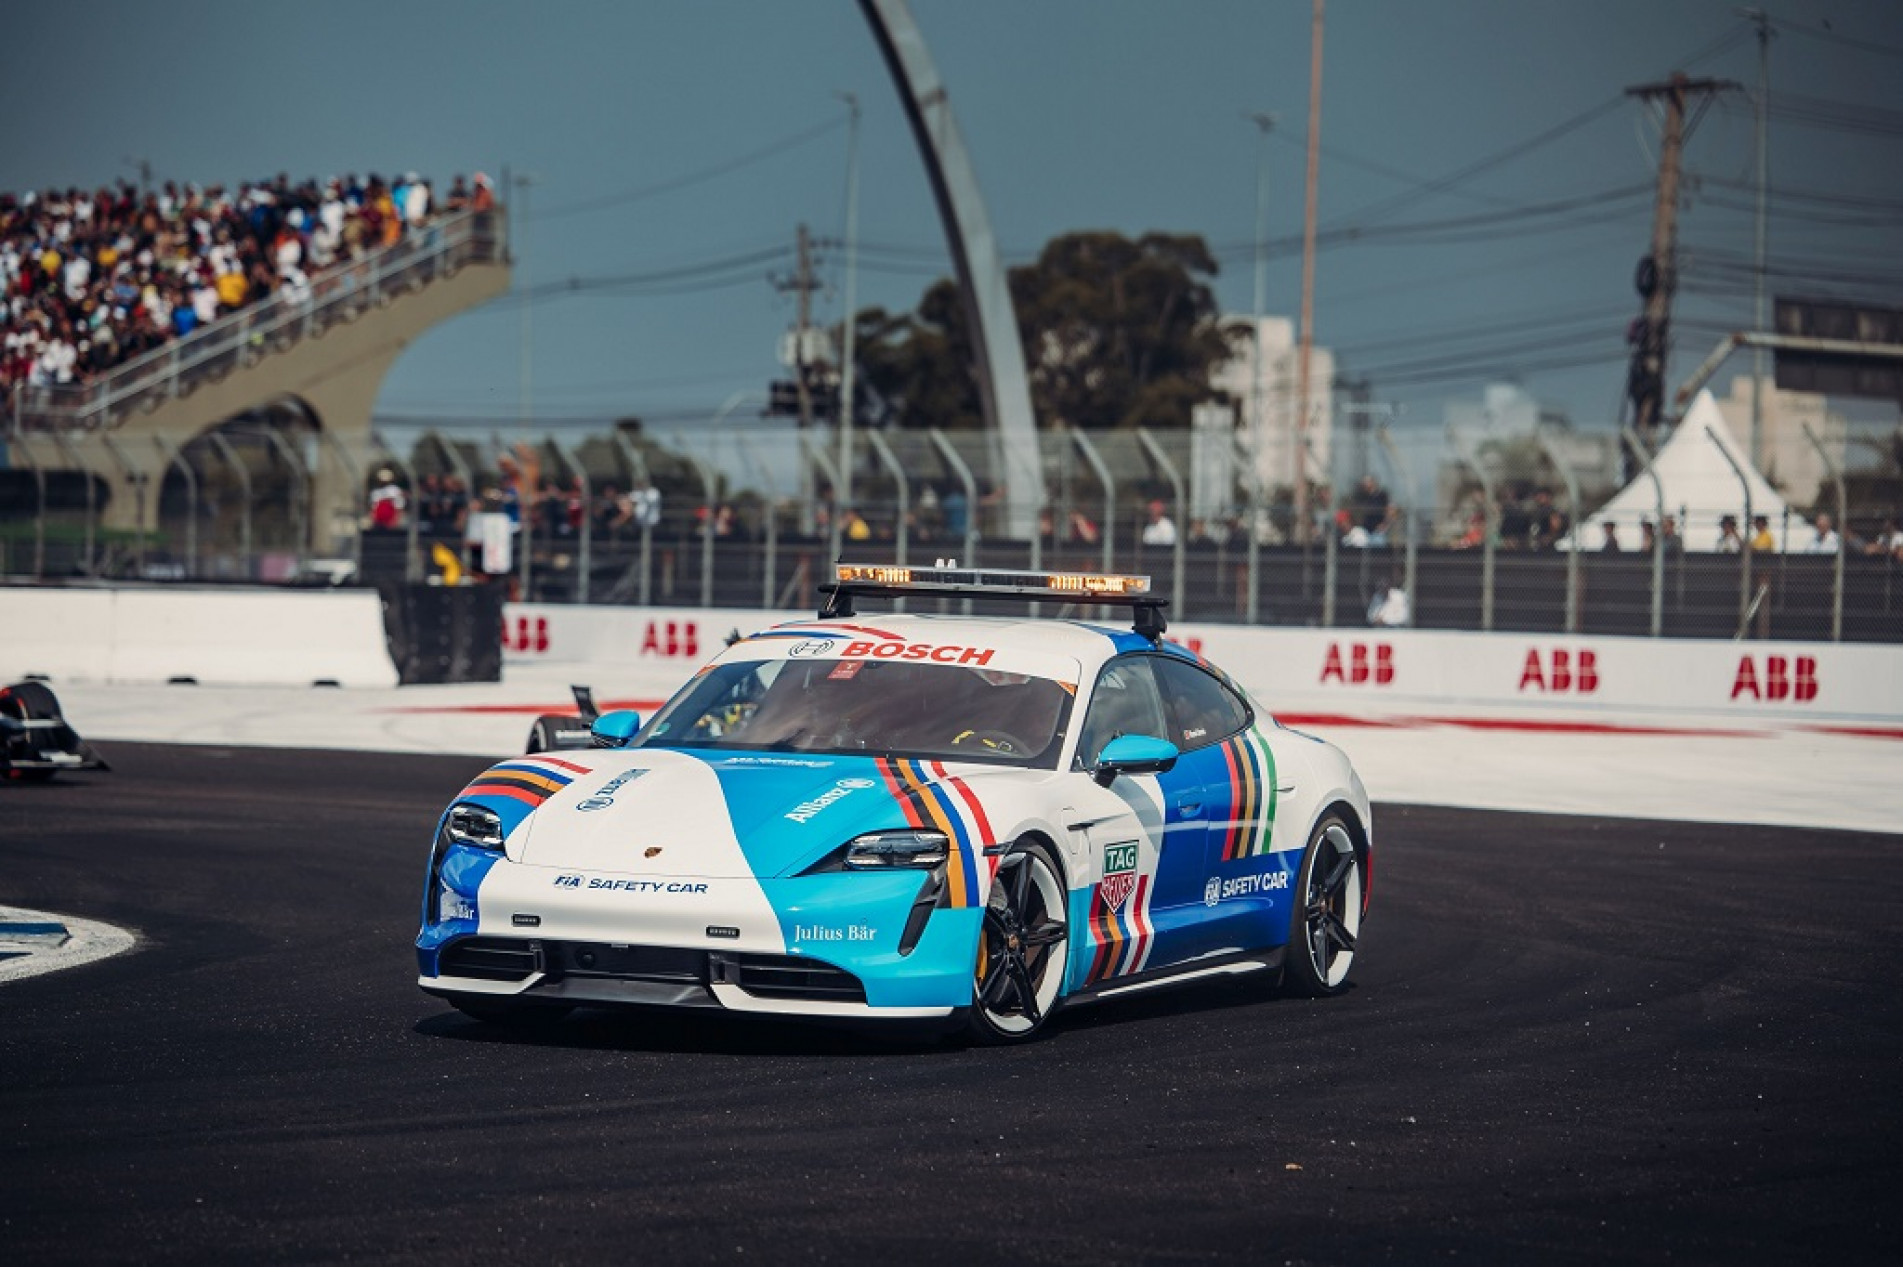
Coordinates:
column 1161, row 530
column 1371, row 508
column 1390, row 608
column 1761, row 538
column 646, row 501
column 1730, row 541
column 1611, row 544
column 1826, row 540
column 386, row 503
column 1888, row 542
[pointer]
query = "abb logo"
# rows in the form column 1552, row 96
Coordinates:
column 530, row 634
column 1794, row 679
column 1562, row 671
column 1364, row 664
column 668, row 638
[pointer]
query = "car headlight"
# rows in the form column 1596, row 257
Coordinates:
column 474, row 825
column 883, row 850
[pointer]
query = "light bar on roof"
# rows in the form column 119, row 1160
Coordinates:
column 1005, row 583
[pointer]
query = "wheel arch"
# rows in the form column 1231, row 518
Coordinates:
column 1358, row 831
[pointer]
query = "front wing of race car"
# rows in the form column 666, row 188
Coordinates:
column 839, row 945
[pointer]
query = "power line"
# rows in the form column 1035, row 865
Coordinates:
column 771, row 150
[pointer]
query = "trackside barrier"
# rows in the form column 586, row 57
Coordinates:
column 1403, row 673
column 224, row 637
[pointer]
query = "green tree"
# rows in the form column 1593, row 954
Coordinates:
column 1117, row 333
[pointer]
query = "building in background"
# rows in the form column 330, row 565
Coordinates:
column 1785, row 455
column 1266, row 409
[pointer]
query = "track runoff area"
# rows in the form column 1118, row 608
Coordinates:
column 1572, row 1037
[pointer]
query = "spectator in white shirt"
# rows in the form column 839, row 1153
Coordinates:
column 1161, row 530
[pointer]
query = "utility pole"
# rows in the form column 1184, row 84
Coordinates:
column 848, row 341
column 1308, row 277
column 1258, row 429
column 1657, row 278
column 803, row 284
column 1764, row 180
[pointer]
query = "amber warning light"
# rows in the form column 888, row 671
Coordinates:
column 1082, row 584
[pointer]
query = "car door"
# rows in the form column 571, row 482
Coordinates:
column 1246, row 873
column 1148, row 833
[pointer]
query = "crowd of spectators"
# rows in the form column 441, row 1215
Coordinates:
column 90, row 280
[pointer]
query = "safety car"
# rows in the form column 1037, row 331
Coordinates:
column 955, row 820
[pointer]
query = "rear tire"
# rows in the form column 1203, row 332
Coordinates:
column 542, row 733
column 1325, row 923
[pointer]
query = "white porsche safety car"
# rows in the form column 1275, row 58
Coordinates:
column 968, row 820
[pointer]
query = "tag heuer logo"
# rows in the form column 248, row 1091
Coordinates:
column 1119, row 874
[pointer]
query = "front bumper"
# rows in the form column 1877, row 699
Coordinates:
column 830, row 945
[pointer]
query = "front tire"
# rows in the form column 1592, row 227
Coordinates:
column 1325, row 925
column 1023, row 948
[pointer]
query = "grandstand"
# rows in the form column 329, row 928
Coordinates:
column 300, row 298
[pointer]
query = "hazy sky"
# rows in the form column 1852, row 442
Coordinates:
column 663, row 135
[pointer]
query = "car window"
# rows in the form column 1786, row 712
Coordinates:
column 1203, row 710
column 1125, row 702
column 942, row 712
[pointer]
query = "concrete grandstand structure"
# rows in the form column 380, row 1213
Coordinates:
column 305, row 373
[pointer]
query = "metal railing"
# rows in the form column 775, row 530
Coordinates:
column 240, row 339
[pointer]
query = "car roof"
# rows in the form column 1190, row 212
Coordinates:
column 1086, row 643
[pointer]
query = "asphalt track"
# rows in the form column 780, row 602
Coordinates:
column 1572, row 1040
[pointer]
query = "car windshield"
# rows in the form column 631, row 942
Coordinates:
column 882, row 708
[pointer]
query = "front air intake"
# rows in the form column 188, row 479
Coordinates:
column 795, row 977
column 490, row 959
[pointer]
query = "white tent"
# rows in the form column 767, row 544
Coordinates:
column 1700, row 489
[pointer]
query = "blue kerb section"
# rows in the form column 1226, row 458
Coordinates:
column 13, row 930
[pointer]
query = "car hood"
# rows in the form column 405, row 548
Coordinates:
column 661, row 812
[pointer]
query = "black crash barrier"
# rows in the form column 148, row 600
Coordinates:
column 441, row 633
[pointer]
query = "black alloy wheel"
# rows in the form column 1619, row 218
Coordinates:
column 1023, row 948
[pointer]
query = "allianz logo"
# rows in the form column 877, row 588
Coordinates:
column 806, row 811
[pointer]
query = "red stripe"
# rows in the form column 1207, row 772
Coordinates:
column 566, row 765
column 1532, row 725
column 1235, row 805
column 906, row 803
column 511, row 790
column 1139, row 918
column 965, row 794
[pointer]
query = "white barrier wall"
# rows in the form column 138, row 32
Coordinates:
column 1351, row 671
column 225, row 637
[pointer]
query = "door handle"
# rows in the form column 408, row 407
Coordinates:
column 1189, row 807
column 1283, row 789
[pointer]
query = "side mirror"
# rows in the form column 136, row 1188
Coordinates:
column 1134, row 754
column 615, row 729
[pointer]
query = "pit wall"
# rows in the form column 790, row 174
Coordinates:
column 1316, row 673
column 216, row 637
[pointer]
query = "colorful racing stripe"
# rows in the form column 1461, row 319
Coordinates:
column 531, row 780
column 1251, row 767
column 1122, row 933
column 929, row 798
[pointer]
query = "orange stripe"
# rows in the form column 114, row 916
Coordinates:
column 523, row 776
column 1245, row 827
column 961, row 884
